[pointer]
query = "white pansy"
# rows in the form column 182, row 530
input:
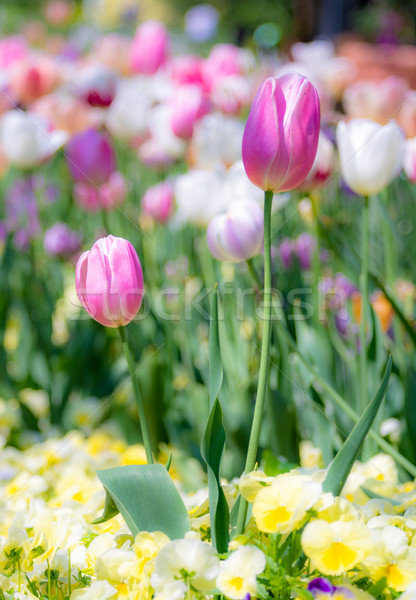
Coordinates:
column 238, row 573
column 187, row 561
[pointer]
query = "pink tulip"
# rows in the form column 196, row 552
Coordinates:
column 223, row 61
column 90, row 157
column 109, row 281
column 158, row 201
column 32, row 78
column 281, row 135
column 186, row 69
column 189, row 104
column 149, row 49
column 12, row 49
column 93, row 198
column 379, row 101
column 238, row 234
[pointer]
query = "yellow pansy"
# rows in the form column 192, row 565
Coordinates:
column 280, row 507
column 336, row 547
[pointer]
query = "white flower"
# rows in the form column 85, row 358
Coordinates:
column 217, row 139
column 127, row 117
column 181, row 563
column 410, row 593
column 371, row 155
column 238, row 573
column 25, row 139
column 110, row 563
column 198, row 195
column 99, row 590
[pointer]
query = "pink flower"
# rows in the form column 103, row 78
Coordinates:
column 32, row 78
column 158, row 201
column 223, row 61
column 282, row 131
column 149, row 49
column 186, row 69
column 90, row 157
column 189, row 104
column 238, row 234
column 323, row 165
column 96, row 85
column 379, row 101
column 105, row 197
column 109, row 281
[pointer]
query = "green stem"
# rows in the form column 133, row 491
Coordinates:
column 340, row 402
column 143, row 425
column 264, row 358
column 364, row 306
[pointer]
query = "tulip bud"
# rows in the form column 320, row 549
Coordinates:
column 158, row 201
column 90, row 157
column 109, row 281
column 149, row 48
column 238, row 234
column 371, row 155
column 282, row 131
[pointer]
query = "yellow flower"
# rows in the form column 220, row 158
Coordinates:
column 392, row 558
column 252, row 483
column 336, row 547
column 280, row 507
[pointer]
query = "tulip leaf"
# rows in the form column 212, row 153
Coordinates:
column 374, row 496
column 147, row 499
column 213, row 440
column 344, row 460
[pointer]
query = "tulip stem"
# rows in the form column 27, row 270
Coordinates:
column 143, row 425
column 364, row 305
column 264, row 358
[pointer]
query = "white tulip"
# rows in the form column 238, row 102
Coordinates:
column 371, row 155
column 199, row 195
column 25, row 139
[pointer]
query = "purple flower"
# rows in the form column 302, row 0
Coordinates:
column 201, row 22
column 304, row 247
column 22, row 212
column 60, row 240
column 286, row 250
column 319, row 585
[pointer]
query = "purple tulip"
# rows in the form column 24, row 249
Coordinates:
column 90, row 157
column 286, row 251
column 282, row 132
column 60, row 240
column 238, row 234
column 304, row 248
column 109, row 281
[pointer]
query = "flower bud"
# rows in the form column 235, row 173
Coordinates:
column 158, row 201
column 109, row 281
column 238, row 234
column 90, row 157
column 149, row 48
column 371, row 155
column 282, row 131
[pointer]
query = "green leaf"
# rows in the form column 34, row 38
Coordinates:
column 344, row 460
column 375, row 496
column 110, row 510
column 147, row 499
column 213, row 440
